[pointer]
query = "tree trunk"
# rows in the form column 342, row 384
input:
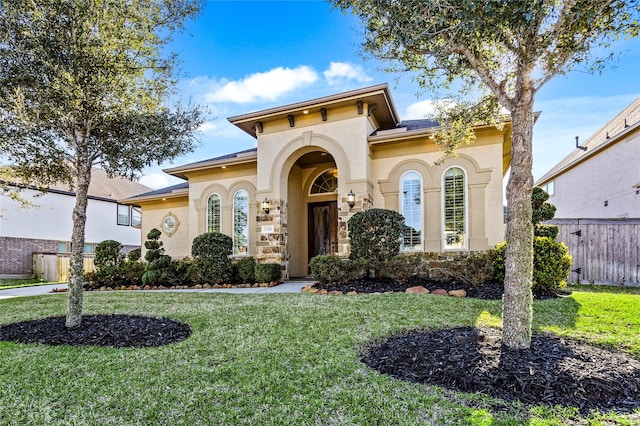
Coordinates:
column 76, row 279
column 518, row 299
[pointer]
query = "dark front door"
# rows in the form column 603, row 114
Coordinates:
column 323, row 228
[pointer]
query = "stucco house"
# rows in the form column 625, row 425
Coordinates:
column 320, row 161
column 601, row 179
column 47, row 227
column 596, row 191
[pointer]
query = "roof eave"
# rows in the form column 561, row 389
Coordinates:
column 551, row 175
column 181, row 193
column 246, row 122
column 181, row 171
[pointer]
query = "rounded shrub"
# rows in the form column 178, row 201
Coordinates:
column 375, row 237
column 268, row 272
column 211, row 252
column 332, row 269
column 404, row 266
column 108, row 253
column 551, row 264
column 134, row 255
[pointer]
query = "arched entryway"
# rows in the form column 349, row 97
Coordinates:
column 312, row 210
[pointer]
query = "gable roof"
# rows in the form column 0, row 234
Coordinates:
column 102, row 187
column 614, row 131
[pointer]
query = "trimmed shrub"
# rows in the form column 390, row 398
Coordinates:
column 212, row 263
column 108, row 253
column 473, row 269
column 332, row 269
column 550, row 231
column 179, row 273
column 404, row 266
column 158, row 262
column 246, row 270
column 551, row 264
column 375, row 237
column 134, row 255
column 268, row 272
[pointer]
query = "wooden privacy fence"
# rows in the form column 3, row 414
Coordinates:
column 54, row 267
column 605, row 251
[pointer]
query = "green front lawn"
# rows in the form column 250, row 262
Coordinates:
column 278, row 359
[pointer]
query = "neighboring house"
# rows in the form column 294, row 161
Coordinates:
column 603, row 180
column 47, row 228
column 320, row 161
column 596, row 191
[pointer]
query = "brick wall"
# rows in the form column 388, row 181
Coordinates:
column 16, row 254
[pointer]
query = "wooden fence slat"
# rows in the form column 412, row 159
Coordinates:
column 608, row 251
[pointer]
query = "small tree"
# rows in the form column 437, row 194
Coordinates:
column 375, row 237
column 158, row 262
column 211, row 252
column 84, row 84
column 502, row 53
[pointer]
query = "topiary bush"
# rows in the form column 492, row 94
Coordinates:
column 551, row 264
column 246, row 270
column 404, row 266
column 375, row 237
column 158, row 262
column 268, row 272
column 542, row 210
column 211, row 252
column 332, row 269
column 108, row 253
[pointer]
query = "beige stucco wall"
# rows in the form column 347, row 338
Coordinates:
column 224, row 182
column 608, row 176
column 177, row 245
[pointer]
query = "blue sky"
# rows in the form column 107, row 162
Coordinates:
column 243, row 56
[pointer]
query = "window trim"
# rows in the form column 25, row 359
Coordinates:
column 118, row 215
column 219, row 213
column 466, row 210
column 421, row 208
column 319, row 194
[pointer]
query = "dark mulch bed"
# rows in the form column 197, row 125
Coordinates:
column 554, row 372
column 98, row 330
column 488, row 291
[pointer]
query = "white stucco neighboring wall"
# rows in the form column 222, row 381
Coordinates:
column 603, row 186
column 52, row 219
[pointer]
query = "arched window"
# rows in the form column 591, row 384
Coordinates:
column 455, row 209
column 241, row 223
column 411, row 209
column 213, row 213
column 326, row 183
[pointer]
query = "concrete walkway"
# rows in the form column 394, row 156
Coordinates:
column 286, row 287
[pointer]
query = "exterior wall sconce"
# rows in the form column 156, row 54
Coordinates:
column 351, row 199
column 265, row 206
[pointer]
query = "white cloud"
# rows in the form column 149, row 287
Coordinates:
column 266, row 86
column 339, row 72
column 419, row 110
column 208, row 126
column 155, row 180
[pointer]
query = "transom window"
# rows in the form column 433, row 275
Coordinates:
column 241, row 223
column 213, row 213
column 411, row 209
column 455, row 216
column 327, row 182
